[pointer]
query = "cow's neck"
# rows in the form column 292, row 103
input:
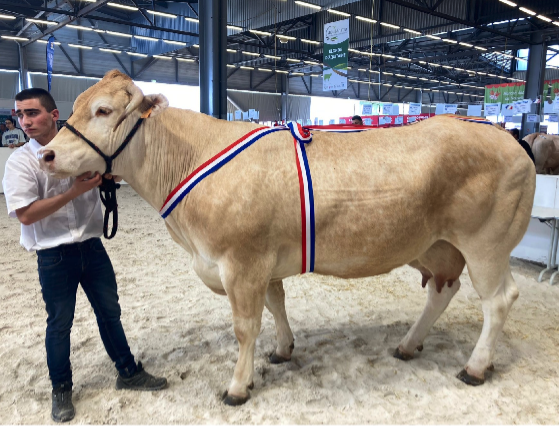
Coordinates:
column 166, row 150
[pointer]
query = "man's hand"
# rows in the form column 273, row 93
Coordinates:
column 85, row 183
column 11, row 146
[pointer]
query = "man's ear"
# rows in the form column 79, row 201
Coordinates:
column 56, row 114
column 157, row 102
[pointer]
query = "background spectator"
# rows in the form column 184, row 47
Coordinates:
column 13, row 137
column 356, row 120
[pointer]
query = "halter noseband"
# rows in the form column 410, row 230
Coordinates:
column 109, row 159
column 107, row 189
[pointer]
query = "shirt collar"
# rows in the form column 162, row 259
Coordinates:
column 35, row 146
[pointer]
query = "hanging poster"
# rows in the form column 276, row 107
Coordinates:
column 523, row 106
column 238, row 114
column 556, row 104
column 492, row 109
column 367, row 109
column 415, row 108
column 367, row 121
column 553, row 118
column 533, row 118
column 50, row 59
column 309, row 122
column 321, row 122
column 504, row 93
column 399, row 120
column 336, row 44
column 251, row 113
column 386, row 109
column 508, row 119
column 332, row 122
column 342, row 122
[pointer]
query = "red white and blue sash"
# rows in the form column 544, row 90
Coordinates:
column 301, row 136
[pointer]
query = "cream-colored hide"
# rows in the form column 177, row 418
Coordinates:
column 436, row 195
column 546, row 154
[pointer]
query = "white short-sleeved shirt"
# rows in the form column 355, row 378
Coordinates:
column 25, row 182
column 15, row 136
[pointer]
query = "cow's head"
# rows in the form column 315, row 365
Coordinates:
column 104, row 114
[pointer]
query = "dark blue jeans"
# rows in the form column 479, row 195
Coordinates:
column 61, row 269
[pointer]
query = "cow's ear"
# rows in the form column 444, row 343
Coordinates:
column 157, row 102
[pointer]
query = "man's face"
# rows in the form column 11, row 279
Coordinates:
column 34, row 119
column 9, row 124
column 357, row 122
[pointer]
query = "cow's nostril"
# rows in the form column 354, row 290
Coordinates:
column 48, row 156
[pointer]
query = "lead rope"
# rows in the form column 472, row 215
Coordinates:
column 108, row 187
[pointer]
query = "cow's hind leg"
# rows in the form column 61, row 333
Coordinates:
column 497, row 290
column 437, row 301
column 275, row 302
column 245, row 285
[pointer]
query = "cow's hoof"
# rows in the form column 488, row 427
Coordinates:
column 232, row 400
column 468, row 379
column 401, row 356
column 277, row 359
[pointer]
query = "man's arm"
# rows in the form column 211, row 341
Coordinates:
column 42, row 208
column 21, row 141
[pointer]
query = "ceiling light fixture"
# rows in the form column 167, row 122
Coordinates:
column 114, row 33
column 234, row 27
column 162, row 57
column 251, row 53
column 528, row 11
column 433, row 37
column 7, row 17
column 79, row 27
column 192, row 19
column 41, row 21
column 79, row 46
column 337, row 12
column 508, row 2
column 193, row 60
column 302, row 3
column 362, row 18
column 411, row 31
column 109, row 50
column 386, row 24
column 544, row 18
column 122, row 6
column 262, row 33
column 173, row 42
column 137, row 54
column 15, row 38
column 163, row 14
column 283, row 36
column 310, row 41
column 149, row 39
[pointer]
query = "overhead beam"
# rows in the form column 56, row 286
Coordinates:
column 82, row 12
column 455, row 19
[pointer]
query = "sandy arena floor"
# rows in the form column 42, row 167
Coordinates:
column 342, row 371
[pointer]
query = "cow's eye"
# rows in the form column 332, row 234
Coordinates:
column 103, row 111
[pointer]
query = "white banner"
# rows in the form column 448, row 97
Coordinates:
column 336, row 44
column 508, row 109
column 492, row 109
column 450, row 108
column 556, row 103
column 474, row 110
column 523, row 106
column 533, row 118
column 415, row 108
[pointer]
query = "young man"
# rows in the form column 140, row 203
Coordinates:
column 62, row 220
column 356, row 120
column 13, row 137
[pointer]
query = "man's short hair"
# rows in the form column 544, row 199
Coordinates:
column 515, row 132
column 10, row 120
column 46, row 99
column 357, row 117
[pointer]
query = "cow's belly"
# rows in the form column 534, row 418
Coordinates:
column 208, row 273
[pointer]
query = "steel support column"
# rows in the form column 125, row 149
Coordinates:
column 285, row 98
column 213, row 57
column 535, row 76
column 22, row 66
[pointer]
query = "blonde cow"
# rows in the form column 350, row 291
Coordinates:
column 546, row 153
column 437, row 195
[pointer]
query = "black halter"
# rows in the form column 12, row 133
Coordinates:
column 108, row 187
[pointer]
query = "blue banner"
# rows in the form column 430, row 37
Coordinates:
column 50, row 58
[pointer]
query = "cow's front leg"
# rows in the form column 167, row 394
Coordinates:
column 246, row 290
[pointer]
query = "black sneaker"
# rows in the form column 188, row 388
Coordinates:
column 62, row 407
column 141, row 381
